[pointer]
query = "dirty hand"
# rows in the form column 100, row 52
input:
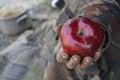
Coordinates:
column 73, row 61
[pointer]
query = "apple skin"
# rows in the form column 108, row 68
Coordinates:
column 81, row 36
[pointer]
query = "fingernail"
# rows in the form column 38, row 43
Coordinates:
column 64, row 56
column 87, row 60
column 96, row 56
column 76, row 58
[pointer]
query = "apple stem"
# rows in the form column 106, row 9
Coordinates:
column 80, row 33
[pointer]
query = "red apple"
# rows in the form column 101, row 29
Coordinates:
column 81, row 36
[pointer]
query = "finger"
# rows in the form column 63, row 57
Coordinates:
column 62, row 57
column 86, row 62
column 57, row 29
column 73, row 62
column 96, row 56
column 57, row 47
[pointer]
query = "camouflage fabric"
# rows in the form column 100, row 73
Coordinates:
column 45, row 66
column 106, row 13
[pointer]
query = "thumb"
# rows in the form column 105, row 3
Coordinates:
column 57, row 29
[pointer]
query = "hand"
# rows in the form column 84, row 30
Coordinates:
column 73, row 61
